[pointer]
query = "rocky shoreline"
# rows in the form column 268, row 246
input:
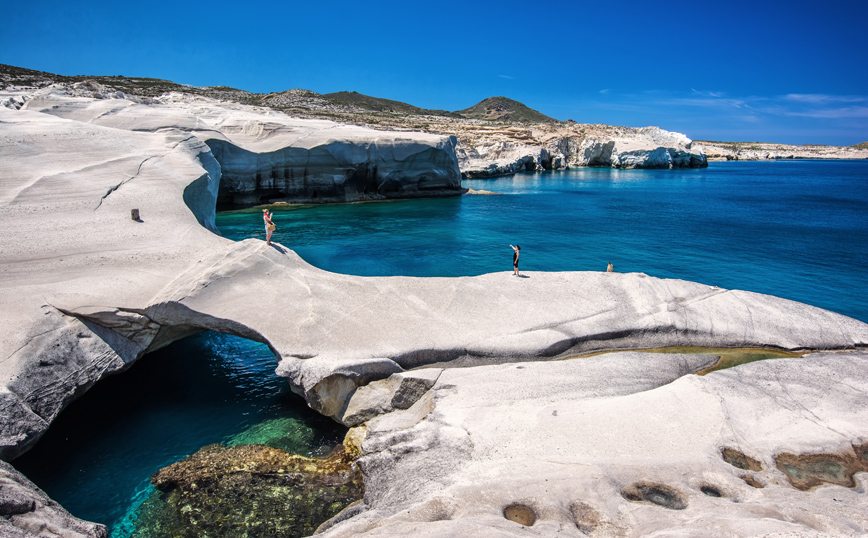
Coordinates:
column 759, row 151
column 470, row 413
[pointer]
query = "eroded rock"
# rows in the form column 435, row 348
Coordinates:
column 27, row 512
column 659, row 494
column 807, row 471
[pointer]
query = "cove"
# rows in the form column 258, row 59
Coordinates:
column 98, row 456
column 793, row 229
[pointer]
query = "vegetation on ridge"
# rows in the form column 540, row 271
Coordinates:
column 382, row 105
column 505, row 109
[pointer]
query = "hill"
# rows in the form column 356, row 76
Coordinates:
column 139, row 86
column 378, row 104
column 505, row 109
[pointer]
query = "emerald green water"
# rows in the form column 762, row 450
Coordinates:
column 98, row 455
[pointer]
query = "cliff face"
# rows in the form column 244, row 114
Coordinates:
column 760, row 151
column 341, row 170
column 265, row 156
column 496, row 152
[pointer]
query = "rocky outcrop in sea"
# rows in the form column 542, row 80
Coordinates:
column 759, row 151
column 266, row 156
column 485, row 153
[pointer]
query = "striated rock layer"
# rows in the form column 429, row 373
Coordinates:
column 27, row 512
column 490, row 152
column 266, row 156
column 611, row 444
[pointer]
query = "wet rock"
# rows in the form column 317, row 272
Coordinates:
column 807, row 471
column 249, row 490
column 736, row 458
column 659, row 494
column 521, row 514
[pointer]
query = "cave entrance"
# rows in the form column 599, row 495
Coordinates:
column 97, row 457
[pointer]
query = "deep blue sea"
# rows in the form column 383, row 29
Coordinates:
column 795, row 229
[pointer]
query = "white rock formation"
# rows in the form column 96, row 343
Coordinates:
column 760, row 151
column 622, row 444
column 480, row 155
column 268, row 156
column 85, row 291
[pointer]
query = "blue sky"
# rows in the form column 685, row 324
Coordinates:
column 791, row 72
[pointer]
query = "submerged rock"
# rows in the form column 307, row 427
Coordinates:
column 249, row 490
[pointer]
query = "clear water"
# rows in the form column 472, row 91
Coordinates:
column 97, row 457
column 794, row 229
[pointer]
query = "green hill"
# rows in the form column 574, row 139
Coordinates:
column 863, row 145
column 504, row 109
column 378, row 104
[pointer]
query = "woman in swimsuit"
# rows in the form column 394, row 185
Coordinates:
column 516, row 250
column 266, row 216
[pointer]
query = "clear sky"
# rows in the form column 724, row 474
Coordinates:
column 792, row 72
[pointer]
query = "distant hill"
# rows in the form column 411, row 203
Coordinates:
column 863, row 145
column 142, row 86
column 504, row 109
column 493, row 108
column 379, row 104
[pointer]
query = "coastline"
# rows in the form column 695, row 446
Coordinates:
column 448, row 382
column 760, row 151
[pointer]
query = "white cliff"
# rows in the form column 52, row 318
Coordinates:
column 268, row 156
column 761, row 151
column 488, row 152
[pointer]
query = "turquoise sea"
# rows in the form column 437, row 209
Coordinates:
column 795, row 229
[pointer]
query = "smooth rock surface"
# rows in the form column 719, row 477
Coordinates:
column 620, row 444
column 268, row 156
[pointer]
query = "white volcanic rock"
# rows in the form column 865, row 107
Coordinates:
column 29, row 513
column 761, row 151
column 649, row 147
column 622, row 444
column 66, row 194
column 267, row 156
column 482, row 155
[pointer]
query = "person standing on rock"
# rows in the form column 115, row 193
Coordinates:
column 269, row 226
column 516, row 250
